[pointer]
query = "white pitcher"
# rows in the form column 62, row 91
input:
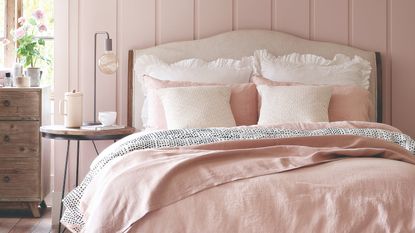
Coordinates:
column 71, row 109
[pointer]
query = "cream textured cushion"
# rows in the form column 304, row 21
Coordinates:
column 244, row 103
column 347, row 103
column 197, row 107
column 284, row 104
column 313, row 69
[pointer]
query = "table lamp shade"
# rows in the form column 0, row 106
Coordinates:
column 108, row 63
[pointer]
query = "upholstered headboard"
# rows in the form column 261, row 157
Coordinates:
column 237, row 44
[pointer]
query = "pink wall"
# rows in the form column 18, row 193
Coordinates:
column 381, row 25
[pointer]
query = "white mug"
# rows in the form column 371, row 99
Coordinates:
column 71, row 109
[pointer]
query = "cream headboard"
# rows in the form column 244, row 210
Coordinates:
column 237, row 44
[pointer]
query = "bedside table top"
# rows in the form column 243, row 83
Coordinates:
column 61, row 132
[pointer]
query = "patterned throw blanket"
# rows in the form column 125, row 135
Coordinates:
column 73, row 217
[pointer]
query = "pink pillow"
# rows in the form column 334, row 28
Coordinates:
column 347, row 103
column 244, row 102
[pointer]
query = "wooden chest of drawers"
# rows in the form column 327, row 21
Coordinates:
column 24, row 158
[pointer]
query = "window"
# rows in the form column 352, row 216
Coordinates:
column 3, row 28
column 10, row 11
column 29, row 6
column 2, row 18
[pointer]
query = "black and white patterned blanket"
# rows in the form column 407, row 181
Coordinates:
column 72, row 216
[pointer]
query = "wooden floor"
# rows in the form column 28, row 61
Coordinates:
column 21, row 221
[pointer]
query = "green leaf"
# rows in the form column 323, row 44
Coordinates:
column 41, row 42
column 28, row 61
column 32, row 21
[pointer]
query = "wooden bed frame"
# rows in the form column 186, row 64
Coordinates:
column 171, row 47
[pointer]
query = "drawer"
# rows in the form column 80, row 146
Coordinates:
column 19, row 139
column 19, row 178
column 20, row 105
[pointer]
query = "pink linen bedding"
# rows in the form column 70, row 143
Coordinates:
column 310, row 199
column 352, row 180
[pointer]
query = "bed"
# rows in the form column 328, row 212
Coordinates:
column 340, row 176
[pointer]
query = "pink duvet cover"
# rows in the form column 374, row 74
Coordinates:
column 340, row 183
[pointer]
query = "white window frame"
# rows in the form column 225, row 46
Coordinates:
column 5, row 20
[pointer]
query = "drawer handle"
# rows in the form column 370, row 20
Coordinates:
column 6, row 179
column 6, row 103
column 6, row 138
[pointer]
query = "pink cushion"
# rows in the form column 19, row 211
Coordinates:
column 347, row 103
column 244, row 101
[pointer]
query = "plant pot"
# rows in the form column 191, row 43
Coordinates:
column 22, row 81
column 35, row 75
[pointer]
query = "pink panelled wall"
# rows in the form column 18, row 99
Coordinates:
column 380, row 25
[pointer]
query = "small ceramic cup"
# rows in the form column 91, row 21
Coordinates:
column 22, row 81
column 107, row 118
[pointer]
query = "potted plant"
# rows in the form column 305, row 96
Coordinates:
column 28, row 44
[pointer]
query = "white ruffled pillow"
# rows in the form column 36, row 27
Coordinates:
column 286, row 104
column 222, row 71
column 313, row 69
column 197, row 107
column 226, row 71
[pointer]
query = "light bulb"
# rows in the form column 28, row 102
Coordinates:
column 108, row 63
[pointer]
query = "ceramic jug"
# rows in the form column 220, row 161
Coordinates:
column 71, row 109
column 35, row 75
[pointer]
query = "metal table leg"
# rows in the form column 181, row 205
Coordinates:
column 95, row 147
column 64, row 183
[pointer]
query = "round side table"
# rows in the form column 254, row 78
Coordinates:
column 60, row 132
